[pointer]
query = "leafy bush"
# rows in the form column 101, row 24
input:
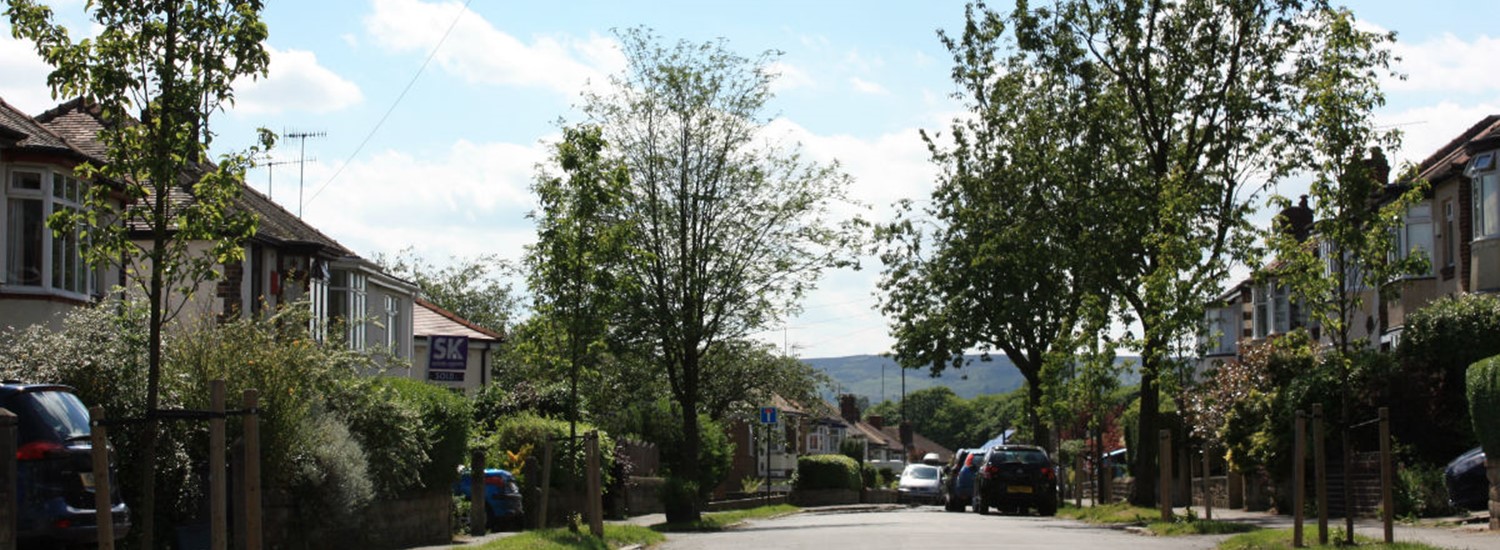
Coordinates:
column 499, row 401
column 1420, row 492
column 517, row 432
column 854, row 448
column 332, row 480
column 389, row 430
column 446, row 421
column 680, row 494
column 826, row 472
column 1484, row 400
column 661, row 423
column 869, row 475
column 1427, row 398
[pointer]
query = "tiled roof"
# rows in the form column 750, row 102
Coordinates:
column 1451, row 158
column 430, row 320
column 920, row 443
column 32, row 135
column 79, row 124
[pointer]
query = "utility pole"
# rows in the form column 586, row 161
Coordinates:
column 302, row 161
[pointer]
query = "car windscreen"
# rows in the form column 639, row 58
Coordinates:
column 50, row 415
column 922, row 473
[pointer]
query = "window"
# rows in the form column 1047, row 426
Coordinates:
column 1486, row 195
column 392, row 324
column 1416, row 234
column 346, row 300
column 1450, row 235
column 1273, row 310
column 34, row 256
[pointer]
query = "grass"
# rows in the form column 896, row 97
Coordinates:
column 1150, row 518
column 719, row 521
column 1279, row 539
column 615, row 536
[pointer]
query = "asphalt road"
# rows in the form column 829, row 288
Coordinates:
column 926, row 527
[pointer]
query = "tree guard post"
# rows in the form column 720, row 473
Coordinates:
column 1320, row 473
column 103, row 509
column 541, row 513
column 1208, row 493
column 1299, row 477
column 8, row 509
column 1164, row 461
column 1387, row 500
column 595, row 506
column 254, row 538
column 218, row 532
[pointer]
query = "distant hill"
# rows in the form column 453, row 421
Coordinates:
column 863, row 375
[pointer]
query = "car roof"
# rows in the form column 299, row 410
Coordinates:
column 12, row 387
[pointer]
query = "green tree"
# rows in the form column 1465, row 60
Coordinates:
column 473, row 288
column 998, row 268
column 571, row 266
column 1356, row 255
column 726, row 230
column 1197, row 103
column 156, row 72
column 742, row 375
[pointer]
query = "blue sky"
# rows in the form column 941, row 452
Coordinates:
column 448, row 172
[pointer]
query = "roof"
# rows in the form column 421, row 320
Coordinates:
column 80, row 123
column 430, row 320
column 920, row 445
column 876, row 436
column 31, row 134
column 1451, row 158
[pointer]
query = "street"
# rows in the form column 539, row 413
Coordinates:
column 924, row 527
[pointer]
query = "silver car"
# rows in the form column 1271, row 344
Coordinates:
column 921, row 484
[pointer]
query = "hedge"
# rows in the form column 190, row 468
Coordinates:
column 1484, row 400
column 827, row 472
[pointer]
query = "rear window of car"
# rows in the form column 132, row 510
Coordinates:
column 923, row 472
column 1023, row 456
column 50, row 415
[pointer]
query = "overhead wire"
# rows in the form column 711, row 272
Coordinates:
column 392, row 108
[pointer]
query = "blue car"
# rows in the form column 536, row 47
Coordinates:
column 502, row 499
column 55, row 475
column 961, row 484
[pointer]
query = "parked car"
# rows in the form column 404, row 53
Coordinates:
column 55, row 475
column 1015, row 478
column 502, row 499
column 920, row 483
column 960, row 484
column 1467, row 486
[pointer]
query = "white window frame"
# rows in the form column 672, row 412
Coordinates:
column 83, row 286
column 1485, row 180
column 1418, row 217
column 392, row 324
column 353, row 292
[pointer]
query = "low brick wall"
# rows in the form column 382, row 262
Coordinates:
column 747, row 503
column 878, row 496
column 824, row 497
column 417, row 520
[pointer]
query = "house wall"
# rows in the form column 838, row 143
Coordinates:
column 481, row 356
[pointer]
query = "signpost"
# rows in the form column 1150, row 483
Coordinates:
column 768, row 417
column 447, row 358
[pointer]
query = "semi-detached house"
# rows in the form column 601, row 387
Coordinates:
column 42, row 275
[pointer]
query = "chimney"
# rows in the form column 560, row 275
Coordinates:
column 876, row 420
column 1380, row 168
column 848, row 408
column 1296, row 220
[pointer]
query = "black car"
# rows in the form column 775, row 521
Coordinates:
column 1015, row 478
column 1468, row 488
column 55, row 476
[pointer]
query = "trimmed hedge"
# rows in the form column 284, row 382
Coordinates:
column 529, row 432
column 827, row 472
column 446, row 421
column 1484, row 400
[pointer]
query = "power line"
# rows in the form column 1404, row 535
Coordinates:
column 392, row 108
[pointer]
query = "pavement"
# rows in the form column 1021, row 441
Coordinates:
column 1456, row 533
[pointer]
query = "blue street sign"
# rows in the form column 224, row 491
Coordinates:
column 768, row 415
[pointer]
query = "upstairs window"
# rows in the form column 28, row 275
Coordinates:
column 1415, row 238
column 1486, row 184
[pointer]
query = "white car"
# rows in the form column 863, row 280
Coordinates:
column 920, row 483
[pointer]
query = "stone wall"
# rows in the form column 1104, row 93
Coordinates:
column 824, row 497
column 418, row 520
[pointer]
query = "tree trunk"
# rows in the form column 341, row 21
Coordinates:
column 1040, row 432
column 1144, row 466
column 688, row 509
column 1492, row 470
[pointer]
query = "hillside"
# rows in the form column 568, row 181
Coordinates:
column 865, row 374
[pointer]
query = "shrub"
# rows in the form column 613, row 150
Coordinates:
column 332, row 480
column 1420, row 492
column 1484, row 400
column 389, row 430
column 446, row 420
column 1427, row 398
column 680, row 494
column 661, row 423
column 854, row 448
column 517, row 432
column 826, row 472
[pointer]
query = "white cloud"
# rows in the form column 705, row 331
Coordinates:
column 1426, row 128
column 295, row 82
column 25, row 82
column 788, row 77
column 866, row 87
column 473, row 198
column 1447, row 64
column 480, row 53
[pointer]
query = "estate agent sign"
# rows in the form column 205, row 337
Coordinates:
column 447, row 358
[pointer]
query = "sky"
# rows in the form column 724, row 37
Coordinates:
column 431, row 117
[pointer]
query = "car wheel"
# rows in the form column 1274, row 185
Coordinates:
column 980, row 506
column 1047, row 509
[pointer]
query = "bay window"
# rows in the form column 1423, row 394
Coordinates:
column 1486, row 184
column 392, row 324
column 1416, row 235
column 346, row 300
column 35, row 257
